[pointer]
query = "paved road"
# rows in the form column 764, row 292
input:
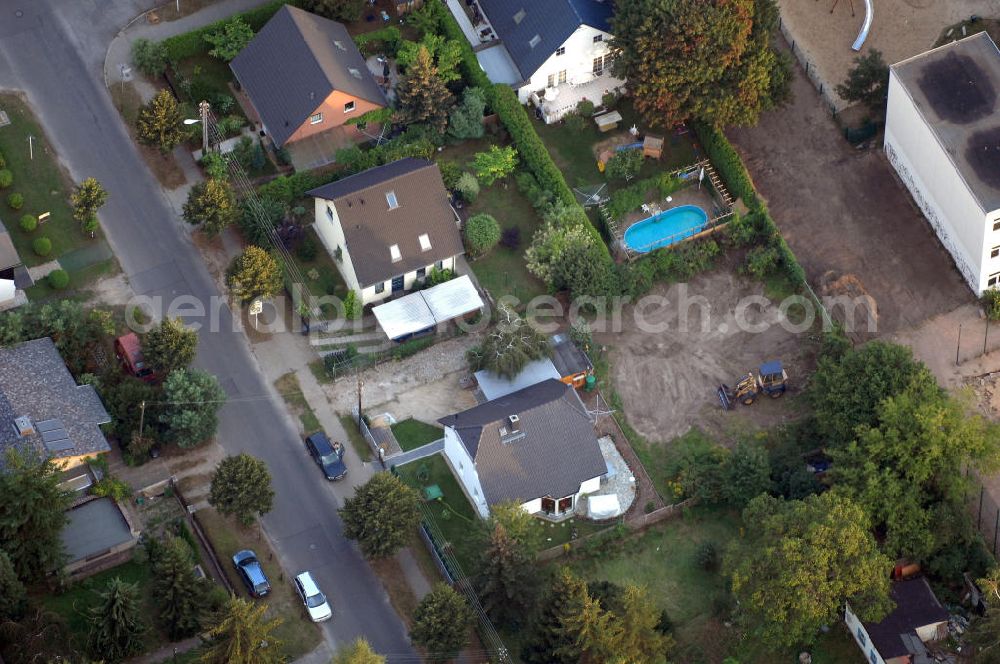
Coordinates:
column 54, row 50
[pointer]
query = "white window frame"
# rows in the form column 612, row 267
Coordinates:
column 561, row 50
column 394, row 253
column 993, row 280
column 329, row 212
column 994, row 252
column 350, row 106
column 425, row 242
column 390, row 198
column 316, row 119
column 562, row 77
column 552, row 83
column 535, row 41
column 380, row 287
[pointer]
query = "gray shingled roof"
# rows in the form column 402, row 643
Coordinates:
column 295, row 62
column 35, row 382
column 553, row 21
column 370, row 227
column 916, row 607
column 557, row 452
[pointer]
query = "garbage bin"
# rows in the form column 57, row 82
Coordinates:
column 591, row 383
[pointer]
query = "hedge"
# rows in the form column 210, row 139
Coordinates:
column 193, row 43
column 288, row 188
column 469, row 64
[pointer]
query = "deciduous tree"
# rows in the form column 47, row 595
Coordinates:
column 149, row 56
column 116, row 626
column 510, row 345
column 170, row 345
column 800, row 561
column 191, row 402
column 984, row 632
column 41, row 636
column 254, row 273
column 241, row 487
column 242, row 634
column 710, row 61
column 441, row 622
column 382, row 515
column 347, row 11
column 445, row 54
column 522, row 527
column 867, row 83
column 32, row 514
column 494, row 164
column 232, row 38
column 160, row 123
column 625, row 164
column 212, row 205
column 359, row 652
column 567, row 257
column 176, row 589
column 423, row 97
column 88, row 197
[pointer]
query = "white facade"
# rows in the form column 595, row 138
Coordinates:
column 860, row 634
column 970, row 233
column 331, row 234
column 465, row 470
column 575, row 65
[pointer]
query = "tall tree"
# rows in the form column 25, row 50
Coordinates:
column 211, row 205
column 116, row 626
column 382, row 515
column 230, row 39
column 423, row 97
column 359, row 652
column 800, row 561
column 691, row 59
column 12, row 593
column 526, row 530
column 88, row 197
column 160, row 123
column 176, row 589
column 550, row 643
column 170, row 345
column 867, row 83
column 32, row 514
column 191, row 402
column 347, row 11
column 642, row 640
column 510, row 345
column 984, row 632
column 594, row 632
column 41, row 636
column 254, row 273
column 467, row 118
column 911, row 467
column 446, row 54
column 441, row 622
column 241, row 487
column 509, row 579
column 242, row 634
column 74, row 330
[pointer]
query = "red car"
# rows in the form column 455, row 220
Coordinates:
column 129, row 353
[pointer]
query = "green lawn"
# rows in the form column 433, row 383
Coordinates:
column 411, row 433
column 78, row 282
column 503, row 271
column 327, row 279
column 40, row 180
column 557, row 534
column 358, row 442
column 74, row 604
column 453, row 514
column 209, row 77
column 291, row 392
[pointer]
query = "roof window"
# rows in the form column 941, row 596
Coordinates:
column 355, row 73
column 394, row 252
column 535, row 41
column 390, row 198
column 519, row 16
column 339, row 44
column 425, row 242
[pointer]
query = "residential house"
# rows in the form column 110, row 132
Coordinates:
column 305, row 78
column 560, row 49
column 899, row 638
column 536, row 446
column 388, row 227
column 43, row 410
column 942, row 135
column 13, row 277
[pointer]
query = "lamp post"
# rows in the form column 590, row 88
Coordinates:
column 203, row 109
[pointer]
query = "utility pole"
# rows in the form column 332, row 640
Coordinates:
column 361, row 385
column 142, row 416
column 31, row 147
column 203, row 109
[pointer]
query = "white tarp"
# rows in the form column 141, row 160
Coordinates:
column 7, row 290
column 425, row 309
column 603, row 507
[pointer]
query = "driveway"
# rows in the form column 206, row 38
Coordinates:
column 842, row 210
column 54, row 51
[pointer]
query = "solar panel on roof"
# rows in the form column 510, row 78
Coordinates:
column 49, row 425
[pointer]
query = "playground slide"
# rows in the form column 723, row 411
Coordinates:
column 865, row 27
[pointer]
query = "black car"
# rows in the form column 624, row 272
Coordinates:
column 251, row 572
column 329, row 456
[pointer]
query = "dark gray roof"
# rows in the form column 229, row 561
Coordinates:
column 552, row 21
column 295, row 62
column 371, row 227
column 567, row 356
column 554, row 451
column 916, row 606
column 93, row 528
column 956, row 90
column 65, row 417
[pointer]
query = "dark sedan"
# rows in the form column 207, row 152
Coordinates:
column 251, row 572
column 328, row 456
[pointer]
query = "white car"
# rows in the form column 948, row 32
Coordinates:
column 314, row 600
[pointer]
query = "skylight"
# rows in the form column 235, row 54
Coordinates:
column 394, row 252
column 535, row 41
column 339, row 44
column 354, row 72
column 425, row 242
column 519, row 16
column 390, row 198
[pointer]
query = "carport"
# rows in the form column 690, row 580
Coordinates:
column 498, row 65
column 424, row 310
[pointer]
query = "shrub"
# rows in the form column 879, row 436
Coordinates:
column 511, row 237
column 15, row 201
column 761, row 261
column 307, row 249
column 585, row 108
column 608, row 100
column 3, row 161
column 58, row 279
column 42, row 246
column 215, row 166
column 467, row 187
column 6, row 178
column 149, row 57
column 29, row 223
column 193, row 43
column 624, row 201
column 352, row 306
column 727, row 162
column 385, row 40
column 625, row 164
column 707, row 556
column 482, row 232
column 450, row 172
column 991, row 303
column 742, row 230
column 575, row 122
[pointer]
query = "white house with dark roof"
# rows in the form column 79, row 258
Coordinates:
column 43, row 410
column 536, row 446
column 560, row 49
column 388, row 227
column 918, row 618
column 942, row 135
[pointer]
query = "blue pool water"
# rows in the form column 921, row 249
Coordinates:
column 665, row 229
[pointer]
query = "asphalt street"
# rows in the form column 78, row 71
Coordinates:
column 53, row 50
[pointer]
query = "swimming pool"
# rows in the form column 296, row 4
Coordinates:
column 666, row 228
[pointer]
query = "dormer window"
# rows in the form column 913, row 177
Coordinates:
column 390, row 198
column 394, row 253
column 534, row 41
column 519, row 16
column 425, row 242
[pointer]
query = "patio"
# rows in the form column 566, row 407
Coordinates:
column 556, row 102
column 321, row 149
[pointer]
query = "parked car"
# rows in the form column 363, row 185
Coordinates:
column 249, row 569
column 313, row 599
column 128, row 350
column 329, row 456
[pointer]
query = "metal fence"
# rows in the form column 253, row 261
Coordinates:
column 826, row 91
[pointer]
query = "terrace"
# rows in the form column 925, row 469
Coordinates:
column 554, row 103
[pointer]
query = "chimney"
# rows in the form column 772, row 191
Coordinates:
column 515, row 422
column 24, row 426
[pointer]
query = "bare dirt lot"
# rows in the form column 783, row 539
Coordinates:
column 667, row 381
column 900, row 29
column 843, row 211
